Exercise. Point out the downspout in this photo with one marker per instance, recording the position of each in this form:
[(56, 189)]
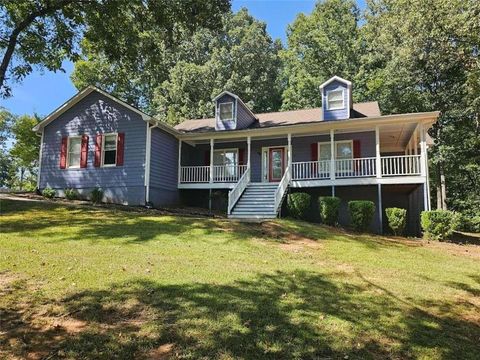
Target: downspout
[(148, 151)]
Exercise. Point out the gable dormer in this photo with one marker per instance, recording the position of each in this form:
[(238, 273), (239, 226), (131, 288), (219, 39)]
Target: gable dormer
[(231, 113), (336, 98)]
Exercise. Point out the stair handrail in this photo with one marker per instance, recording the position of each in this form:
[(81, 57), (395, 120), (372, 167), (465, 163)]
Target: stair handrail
[(282, 188), (238, 189)]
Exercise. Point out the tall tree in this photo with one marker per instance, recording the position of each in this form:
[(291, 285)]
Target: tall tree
[(43, 33), (320, 45), (242, 58), (423, 55)]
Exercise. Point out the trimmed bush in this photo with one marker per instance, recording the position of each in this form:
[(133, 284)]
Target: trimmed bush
[(397, 219), (298, 204), (96, 195), (49, 193), (470, 223), (71, 194), (329, 206), (361, 213), (439, 224)]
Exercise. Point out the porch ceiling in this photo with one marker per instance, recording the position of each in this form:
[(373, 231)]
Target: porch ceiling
[(394, 138)]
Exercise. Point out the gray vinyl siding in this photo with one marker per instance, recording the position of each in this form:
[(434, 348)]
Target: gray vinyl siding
[(163, 168), (336, 114), (244, 117), (225, 125), (97, 114)]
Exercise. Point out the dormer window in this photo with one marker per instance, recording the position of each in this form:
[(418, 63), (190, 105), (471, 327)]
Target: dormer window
[(225, 111), (335, 99)]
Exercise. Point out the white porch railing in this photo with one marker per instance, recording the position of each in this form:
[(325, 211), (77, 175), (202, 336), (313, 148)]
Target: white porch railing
[(311, 170), (282, 188), (195, 174), (359, 167), (228, 173), (237, 191), (401, 165)]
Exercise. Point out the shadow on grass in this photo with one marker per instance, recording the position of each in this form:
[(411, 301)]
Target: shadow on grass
[(277, 316)]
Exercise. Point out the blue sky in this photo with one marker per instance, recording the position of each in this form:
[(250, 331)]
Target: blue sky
[(43, 92)]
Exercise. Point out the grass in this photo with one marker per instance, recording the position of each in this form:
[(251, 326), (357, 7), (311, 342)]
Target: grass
[(78, 282)]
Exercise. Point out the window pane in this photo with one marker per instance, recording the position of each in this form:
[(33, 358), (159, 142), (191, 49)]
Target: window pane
[(226, 111), (218, 158), (324, 152), (335, 99), (74, 147), (110, 142), (344, 151), (230, 158), (110, 157)]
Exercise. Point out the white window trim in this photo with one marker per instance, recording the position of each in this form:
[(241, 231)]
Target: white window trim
[(219, 112), (343, 100), (228, 150), (335, 146), (103, 149), (68, 152)]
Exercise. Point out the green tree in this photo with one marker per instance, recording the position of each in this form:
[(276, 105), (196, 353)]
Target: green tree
[(242, 58), (25, 150), (43, 33), (320, 45), (6, 119), (423, 55)]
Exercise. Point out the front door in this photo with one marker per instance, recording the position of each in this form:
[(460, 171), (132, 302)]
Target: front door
[(276, 164)]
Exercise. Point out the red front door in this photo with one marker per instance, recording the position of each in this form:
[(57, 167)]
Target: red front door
[(276, 164)]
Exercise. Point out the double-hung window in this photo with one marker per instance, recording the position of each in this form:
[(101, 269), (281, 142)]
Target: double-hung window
[(225, 111), (343, 153), (109, 154), (335, 100), (74, 151)]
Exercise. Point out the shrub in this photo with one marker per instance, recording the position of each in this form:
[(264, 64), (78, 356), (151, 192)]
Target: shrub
[(439, 224), (470, 223), (96, 195), (49, 193), (329, 206), (397, 219), (298, 204), (71, 194), (361, 213)]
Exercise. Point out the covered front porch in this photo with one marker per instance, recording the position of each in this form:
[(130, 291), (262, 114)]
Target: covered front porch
[(385, 154)]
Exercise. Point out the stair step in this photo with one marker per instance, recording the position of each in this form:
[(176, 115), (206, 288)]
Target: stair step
[(247, 206), (252, 217)]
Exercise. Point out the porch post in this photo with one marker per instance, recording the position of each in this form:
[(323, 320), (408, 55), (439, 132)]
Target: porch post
[(378, 161), (211, 161), (249, 152), (179, 161), (289, 152), (332, 154), (423, 166), (380, 207)]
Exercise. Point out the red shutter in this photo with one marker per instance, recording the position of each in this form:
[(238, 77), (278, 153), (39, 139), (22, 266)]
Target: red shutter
[(356, 149), (314, 151), (356, 154), (63, 153), (241, 156), (98, 150), (120, 147), (207, 158), (84, 152)]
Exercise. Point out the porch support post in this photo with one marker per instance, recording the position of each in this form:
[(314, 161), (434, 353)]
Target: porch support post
[(415, 142), (380, 207), (179, 161), (332, 154), (249, 152), (211, 161), (289, 152), (333, 190), (378, 161), (423, 166)]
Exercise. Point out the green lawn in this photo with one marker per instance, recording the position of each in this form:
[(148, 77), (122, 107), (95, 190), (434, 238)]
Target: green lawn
[(89, 283)]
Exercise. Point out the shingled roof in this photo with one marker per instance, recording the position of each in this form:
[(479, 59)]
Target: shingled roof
[(282, 118)]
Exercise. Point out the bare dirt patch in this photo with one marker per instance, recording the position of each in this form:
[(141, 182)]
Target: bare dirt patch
[(162, 352)]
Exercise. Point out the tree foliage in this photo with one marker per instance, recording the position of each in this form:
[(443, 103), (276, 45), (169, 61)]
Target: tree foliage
[(44, 33), (320, 45)]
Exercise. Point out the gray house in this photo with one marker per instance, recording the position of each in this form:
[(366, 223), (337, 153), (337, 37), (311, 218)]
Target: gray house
[(250, 160)]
